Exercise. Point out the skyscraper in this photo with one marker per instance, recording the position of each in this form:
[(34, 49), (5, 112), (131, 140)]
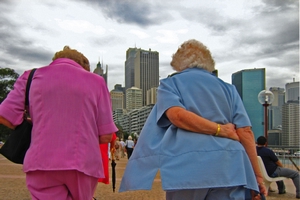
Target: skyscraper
[(292, 91), (275, 117), (141, 70), (275, 109), (290, 124), (290, 115), (249, 83), (100, 71)]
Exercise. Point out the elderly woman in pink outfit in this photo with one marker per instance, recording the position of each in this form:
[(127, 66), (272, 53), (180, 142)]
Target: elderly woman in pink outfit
[(71, 114)]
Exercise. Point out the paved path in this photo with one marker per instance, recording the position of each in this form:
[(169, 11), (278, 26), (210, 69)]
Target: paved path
[(13, 187)]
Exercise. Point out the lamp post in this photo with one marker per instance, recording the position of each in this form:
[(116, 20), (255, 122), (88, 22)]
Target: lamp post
[(266, 97)]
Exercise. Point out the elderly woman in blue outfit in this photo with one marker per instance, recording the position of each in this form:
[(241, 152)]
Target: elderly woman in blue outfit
[(198, 135)]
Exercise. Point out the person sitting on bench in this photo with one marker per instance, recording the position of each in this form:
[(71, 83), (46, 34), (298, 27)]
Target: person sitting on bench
[(275, 168)]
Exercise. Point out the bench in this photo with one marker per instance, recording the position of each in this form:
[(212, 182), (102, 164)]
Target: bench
[(267, 179)]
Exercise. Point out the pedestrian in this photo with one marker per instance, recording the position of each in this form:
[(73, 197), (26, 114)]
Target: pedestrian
[(122, 148), (129, 145), (198, 157), (71, 113), (117, 148), (275, 168), (135, 140)]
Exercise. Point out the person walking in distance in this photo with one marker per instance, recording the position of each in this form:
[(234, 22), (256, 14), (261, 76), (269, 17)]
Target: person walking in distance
[(122, 148), (117, 148), (129, 145)]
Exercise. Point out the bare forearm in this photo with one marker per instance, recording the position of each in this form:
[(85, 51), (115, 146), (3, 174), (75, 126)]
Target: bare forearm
[(247, 140), (187, 120), (103, 139), (279, 163), (6, 123)]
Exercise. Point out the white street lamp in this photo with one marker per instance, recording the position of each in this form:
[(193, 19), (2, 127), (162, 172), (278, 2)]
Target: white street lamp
[(266, 98)]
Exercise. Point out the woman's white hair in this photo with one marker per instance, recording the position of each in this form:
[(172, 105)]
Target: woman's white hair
[(192, 53)]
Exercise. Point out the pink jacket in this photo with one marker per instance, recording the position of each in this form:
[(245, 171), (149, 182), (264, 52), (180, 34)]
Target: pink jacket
[(70, 108)]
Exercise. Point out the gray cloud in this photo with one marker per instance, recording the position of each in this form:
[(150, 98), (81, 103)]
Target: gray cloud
[(210, 18), (107, 40), (6, 6), (16, 46), (141, 13), (38, 55), (270, 38), (273, 30), (278, 5), (278, 35)]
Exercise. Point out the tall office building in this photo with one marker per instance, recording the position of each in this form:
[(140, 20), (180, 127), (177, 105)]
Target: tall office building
[(275, 116), (292, 91), (249, 83), (100, 71), (290, 124), (290, 115), (134, 98), (141, 70), (275, 109)]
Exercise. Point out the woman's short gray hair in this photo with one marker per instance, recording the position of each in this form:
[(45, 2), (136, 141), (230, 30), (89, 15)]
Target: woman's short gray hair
[(192, 53)]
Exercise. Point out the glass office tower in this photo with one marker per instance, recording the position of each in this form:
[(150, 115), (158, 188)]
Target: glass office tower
[(141, 70), (275, 110), (249, 83)]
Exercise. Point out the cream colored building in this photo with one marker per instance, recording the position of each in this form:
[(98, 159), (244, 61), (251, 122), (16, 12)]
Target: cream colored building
[(134, 98), (116, 99), (151, 96)]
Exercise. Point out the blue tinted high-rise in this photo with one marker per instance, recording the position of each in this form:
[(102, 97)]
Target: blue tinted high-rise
[(248, 84)]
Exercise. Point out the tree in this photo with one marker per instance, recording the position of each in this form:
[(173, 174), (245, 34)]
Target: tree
[(8, 78), (120, 133)]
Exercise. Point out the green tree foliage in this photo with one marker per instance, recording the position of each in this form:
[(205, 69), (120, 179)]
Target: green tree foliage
[(8, 78), (120, 133)]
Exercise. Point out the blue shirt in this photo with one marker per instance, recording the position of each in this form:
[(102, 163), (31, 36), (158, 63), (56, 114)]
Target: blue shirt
[(188, 160)]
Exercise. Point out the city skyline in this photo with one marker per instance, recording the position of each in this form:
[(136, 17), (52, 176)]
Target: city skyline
[(240, 34)]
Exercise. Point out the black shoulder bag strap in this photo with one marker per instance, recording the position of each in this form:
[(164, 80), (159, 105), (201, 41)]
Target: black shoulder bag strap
[(26, 113)]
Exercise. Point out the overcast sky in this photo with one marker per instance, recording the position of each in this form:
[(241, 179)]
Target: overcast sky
[(241, 34)]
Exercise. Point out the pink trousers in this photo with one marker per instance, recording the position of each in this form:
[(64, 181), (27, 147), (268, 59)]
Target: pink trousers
[(60, 185)]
